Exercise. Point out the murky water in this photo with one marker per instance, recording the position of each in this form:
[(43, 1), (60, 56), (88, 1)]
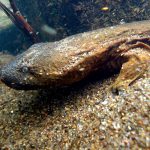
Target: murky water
[(55, 20)]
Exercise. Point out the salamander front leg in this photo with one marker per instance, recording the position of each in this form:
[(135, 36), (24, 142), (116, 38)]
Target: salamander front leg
[(130, 71)]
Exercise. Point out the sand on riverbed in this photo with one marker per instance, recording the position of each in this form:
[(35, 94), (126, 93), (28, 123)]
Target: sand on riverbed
[(85, 116)]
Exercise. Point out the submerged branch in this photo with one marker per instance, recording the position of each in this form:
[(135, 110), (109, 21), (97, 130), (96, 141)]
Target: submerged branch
[(17, 18), (13, 6)]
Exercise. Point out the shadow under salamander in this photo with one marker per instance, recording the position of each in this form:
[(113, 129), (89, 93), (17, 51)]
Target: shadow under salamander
[(31, 110), (48, 100)]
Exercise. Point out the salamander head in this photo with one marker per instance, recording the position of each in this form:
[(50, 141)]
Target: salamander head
[(17, 75), (25, 72)]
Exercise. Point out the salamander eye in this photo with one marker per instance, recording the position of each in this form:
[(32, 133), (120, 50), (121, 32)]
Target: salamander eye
[(24, 69)]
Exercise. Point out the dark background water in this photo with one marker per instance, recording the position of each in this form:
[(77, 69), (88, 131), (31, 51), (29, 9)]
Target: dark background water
[(69, 17)]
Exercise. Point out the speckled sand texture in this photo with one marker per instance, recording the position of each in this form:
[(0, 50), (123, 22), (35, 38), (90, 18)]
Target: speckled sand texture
[(83, 117)]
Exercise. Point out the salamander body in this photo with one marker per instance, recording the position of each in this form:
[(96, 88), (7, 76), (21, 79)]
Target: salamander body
[(64, 62)]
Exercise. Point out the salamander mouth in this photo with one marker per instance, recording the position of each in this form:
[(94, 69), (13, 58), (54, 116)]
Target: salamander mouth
[(15, 82), (18, 86), (12, 79)]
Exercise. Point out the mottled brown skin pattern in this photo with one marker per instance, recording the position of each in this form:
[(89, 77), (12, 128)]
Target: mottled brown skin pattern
[(72, 59)]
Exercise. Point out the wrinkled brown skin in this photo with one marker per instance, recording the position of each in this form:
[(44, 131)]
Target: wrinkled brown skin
[(72, 59)]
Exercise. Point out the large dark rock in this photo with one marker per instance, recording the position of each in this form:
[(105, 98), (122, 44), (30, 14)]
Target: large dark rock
[(74, 16), (69, 17)]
